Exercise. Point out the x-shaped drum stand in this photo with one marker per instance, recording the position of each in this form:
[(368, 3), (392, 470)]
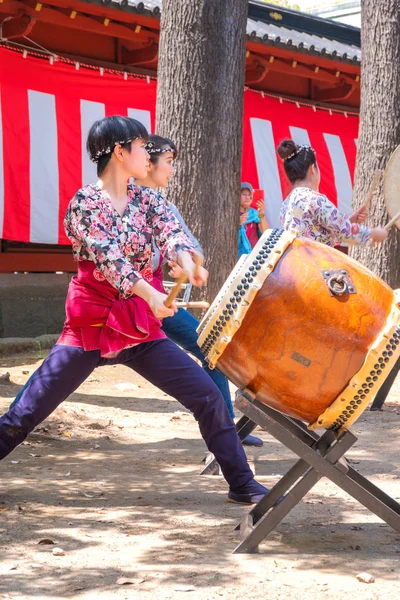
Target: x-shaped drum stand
[(319, 456)]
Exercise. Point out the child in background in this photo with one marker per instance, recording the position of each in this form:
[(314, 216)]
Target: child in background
[(253, 222)]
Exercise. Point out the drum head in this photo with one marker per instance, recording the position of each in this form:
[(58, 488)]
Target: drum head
[(391, 185)]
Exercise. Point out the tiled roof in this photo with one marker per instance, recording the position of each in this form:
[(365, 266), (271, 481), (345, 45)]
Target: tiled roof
[(153, 6), (274, 34), (268, 33)]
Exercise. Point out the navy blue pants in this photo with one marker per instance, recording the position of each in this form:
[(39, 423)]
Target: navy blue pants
[(181, 329), (163, 364)]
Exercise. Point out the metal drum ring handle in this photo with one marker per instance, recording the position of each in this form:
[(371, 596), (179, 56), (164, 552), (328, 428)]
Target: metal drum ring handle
[(337, 285)]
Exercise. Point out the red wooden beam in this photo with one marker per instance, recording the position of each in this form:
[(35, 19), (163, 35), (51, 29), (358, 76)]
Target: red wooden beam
[(296, 69), (255, 73), (139, 56), (341, 92), (16, 26), (302, 57), (98, 9), (71, 19)]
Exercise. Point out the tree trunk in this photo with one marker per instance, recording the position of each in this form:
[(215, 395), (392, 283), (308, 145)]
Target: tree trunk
[(379, 126), (200, 107)]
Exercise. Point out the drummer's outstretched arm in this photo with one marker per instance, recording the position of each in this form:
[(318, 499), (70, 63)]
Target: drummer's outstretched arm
[(338, 223), (341, 227)]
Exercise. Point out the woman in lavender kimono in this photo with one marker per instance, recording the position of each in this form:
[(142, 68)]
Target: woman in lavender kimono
[(309, 212)]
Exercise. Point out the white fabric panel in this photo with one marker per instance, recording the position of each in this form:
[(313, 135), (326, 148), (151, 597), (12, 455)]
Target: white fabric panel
[(341, 173), (44, 190), (90, 112), (1, 175), (143, 116), (267, 168), (299, 135)]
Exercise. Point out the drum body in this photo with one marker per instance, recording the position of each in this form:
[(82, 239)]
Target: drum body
[(310, 331)]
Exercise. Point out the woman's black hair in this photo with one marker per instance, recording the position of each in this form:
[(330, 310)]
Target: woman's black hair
[(297, 159), (109, 132), (158, 145)]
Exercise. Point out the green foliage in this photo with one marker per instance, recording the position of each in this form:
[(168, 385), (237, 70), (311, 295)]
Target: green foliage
[(41, 353)]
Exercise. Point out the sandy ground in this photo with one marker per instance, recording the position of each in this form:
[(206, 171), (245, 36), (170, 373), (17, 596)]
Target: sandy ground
[(112, 479)]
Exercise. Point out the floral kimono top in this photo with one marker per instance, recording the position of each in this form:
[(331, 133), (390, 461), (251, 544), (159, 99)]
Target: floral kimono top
[(312, 215), (113, 253)]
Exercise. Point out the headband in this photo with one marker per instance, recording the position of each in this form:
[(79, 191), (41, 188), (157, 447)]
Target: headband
[(299, 149), (109, 149), (151, 149)]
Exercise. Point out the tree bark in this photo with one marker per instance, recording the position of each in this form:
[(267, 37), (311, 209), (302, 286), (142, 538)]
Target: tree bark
[(379, 126), (200, 92)]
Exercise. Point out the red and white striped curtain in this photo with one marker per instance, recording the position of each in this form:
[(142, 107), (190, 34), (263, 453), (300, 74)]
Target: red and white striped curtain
[(46, 109)]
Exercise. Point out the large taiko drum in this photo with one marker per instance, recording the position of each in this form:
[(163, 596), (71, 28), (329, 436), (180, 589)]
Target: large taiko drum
[(310, 331)]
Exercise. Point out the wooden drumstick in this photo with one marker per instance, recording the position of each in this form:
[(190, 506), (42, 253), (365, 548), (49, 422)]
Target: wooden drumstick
[(176, 289), (393, 221), (193, 304), (372, 188)]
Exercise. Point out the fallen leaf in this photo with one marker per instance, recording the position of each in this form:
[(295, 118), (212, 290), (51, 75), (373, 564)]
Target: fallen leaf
[(185, 588), (25, 372), (92, 494), (365, 578), (46, 541), (12, 567), (124, 581)]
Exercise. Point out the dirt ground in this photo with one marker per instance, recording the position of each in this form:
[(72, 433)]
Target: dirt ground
[(112, 480)]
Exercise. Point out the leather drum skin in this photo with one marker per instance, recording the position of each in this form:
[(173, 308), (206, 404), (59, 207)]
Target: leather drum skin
[(310, 331)]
